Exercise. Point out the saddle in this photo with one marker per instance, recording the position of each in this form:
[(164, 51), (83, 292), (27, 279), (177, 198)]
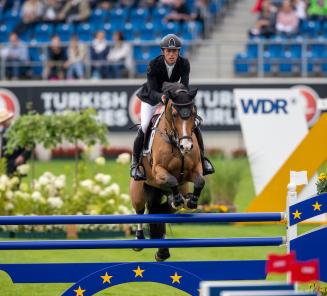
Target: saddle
[(149, 135)]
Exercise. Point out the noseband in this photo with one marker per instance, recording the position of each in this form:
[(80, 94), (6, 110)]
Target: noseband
[(185, 111)]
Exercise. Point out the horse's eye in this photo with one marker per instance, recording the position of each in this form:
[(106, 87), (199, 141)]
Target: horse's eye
[(174, 113)]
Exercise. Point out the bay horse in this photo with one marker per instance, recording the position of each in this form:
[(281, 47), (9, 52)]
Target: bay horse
[(174, 161)]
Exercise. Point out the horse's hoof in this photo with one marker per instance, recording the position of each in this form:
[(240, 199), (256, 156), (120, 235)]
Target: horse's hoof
[(162, 254), (178, 202), (191, 201), (192, 204), (139, 234)]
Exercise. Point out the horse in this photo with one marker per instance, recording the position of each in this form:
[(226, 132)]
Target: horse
[(174, 161)]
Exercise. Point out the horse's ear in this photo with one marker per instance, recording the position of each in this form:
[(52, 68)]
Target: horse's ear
[(193, 92)]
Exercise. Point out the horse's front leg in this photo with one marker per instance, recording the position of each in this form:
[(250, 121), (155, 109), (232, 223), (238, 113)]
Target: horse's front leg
[(199, 182), (164, 178)]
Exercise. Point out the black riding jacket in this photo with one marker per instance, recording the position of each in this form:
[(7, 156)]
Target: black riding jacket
[(151, 91)]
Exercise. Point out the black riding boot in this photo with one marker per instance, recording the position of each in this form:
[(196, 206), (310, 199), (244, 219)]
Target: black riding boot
[(137, 169), (206, 164)]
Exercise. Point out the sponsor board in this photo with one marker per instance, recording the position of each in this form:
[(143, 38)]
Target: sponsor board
[(119, 108)]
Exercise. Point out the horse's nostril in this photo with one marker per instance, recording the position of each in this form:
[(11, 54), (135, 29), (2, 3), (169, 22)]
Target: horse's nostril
[(182, 146), (191, 146)]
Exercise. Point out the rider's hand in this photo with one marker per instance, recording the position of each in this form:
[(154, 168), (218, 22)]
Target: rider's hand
[(163, 99)]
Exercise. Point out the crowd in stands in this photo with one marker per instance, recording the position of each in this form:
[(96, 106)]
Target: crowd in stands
[(287, 17), (78, 39), (287, 38)]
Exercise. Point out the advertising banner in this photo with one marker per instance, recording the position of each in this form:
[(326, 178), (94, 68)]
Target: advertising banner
[(118, 107), (273, 124)]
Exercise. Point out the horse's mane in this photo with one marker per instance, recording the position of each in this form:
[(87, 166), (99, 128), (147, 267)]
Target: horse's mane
[(175, 91)]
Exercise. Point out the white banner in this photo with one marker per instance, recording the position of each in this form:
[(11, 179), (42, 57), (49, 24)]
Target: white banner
[(273, 124)]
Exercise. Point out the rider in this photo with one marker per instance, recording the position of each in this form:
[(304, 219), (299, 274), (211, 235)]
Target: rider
[(168, 67)]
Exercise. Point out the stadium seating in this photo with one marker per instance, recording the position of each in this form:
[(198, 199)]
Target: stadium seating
[(136, 24)]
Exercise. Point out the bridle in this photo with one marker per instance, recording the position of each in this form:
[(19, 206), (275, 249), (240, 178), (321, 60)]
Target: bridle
[(185, 111)]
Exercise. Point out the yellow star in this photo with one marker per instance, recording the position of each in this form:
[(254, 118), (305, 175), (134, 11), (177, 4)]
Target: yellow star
[(138, 271), (316, 206), (176, 278), (297, 214), (106, 278), (79, 291)]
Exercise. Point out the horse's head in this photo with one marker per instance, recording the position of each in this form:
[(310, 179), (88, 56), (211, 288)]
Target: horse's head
[(181, 113)]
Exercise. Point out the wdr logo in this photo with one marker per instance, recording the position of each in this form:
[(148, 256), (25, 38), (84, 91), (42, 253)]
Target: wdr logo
[(264, 106)]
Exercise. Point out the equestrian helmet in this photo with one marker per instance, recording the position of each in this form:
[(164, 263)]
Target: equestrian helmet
[(171, 41)]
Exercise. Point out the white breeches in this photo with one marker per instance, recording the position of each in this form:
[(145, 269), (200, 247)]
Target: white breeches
[(147, 112)]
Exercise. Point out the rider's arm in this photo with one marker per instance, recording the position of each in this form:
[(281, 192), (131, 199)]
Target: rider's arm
[(153, 83), (186, 74)]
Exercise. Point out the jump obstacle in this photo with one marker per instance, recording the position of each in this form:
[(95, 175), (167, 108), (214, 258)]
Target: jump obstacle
[(90, 278)]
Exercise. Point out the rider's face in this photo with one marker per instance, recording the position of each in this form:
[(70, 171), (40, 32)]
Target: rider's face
[(170, 55)]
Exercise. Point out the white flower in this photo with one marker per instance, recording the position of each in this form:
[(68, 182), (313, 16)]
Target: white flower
[(48, 175), (37, 185), (2, 187), (100, 161), (96, 189), (125, 197), (9, 195), (111, 202), (23, 169), (104, 179), (124, 210), (88, 184), (103, 193), (55, 202), (23, 187), (113, 189), (43, 180), (9, 206), (36, 196), (59, 183), (124, 158), (4, 180), (13, 182)]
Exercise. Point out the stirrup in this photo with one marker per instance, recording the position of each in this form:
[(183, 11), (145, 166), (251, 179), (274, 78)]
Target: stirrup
[(207, 166), (136, 173)]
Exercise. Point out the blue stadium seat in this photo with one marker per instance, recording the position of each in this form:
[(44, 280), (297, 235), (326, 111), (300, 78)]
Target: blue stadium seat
[(275, 50), (36, 56), (159, 13), (310, 28), (169, 28), (241, 65), (43, 32), (107, 28), (318, 50), (128, 32), (98, 16), (295, 49), (4, 33), (118, 15), (147, 32), (11, 17), (193, 28), (139, 17), (252, 50), (85, 31), (65, 31)]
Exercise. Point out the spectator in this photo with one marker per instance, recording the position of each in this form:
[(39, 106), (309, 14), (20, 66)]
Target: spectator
[(265, 24), (300, 8), (287, 20), (201, 14), (75, 64), (15, 55), (99, 52), (179, 12), (6, 5), (32, 12), (52, 10), (56, 59), (317, 9), (75, 11), (19, 155), (121, 58), (260, 4)]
